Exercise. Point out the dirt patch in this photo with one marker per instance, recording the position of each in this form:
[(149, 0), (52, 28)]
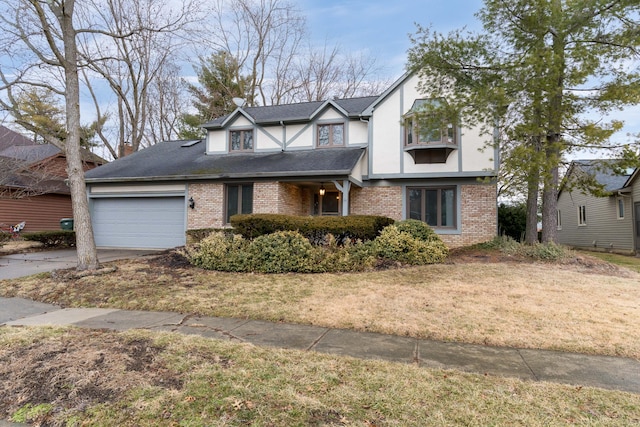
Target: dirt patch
[(579, 262), (77, 370)]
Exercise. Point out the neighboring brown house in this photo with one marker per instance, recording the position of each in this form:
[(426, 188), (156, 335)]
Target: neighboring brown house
[(32, 182)]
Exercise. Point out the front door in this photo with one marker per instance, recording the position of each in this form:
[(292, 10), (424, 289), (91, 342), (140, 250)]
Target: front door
[(636, 217)]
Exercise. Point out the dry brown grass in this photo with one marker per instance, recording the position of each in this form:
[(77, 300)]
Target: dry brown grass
[(71, 377), (584, 307)]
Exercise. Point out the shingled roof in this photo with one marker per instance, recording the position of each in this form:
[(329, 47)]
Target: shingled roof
[(354, 107), (604, 174), (175, 160)]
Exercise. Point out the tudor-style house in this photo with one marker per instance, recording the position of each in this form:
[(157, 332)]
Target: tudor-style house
[(358, 156)]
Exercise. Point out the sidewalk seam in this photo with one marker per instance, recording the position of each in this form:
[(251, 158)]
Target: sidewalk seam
[(527, 365), (317, 340)]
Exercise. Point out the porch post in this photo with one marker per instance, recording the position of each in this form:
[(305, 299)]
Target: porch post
[(344, 189)]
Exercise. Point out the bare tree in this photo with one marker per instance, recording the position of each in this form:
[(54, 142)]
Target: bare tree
[(148, 33), (270, 43), (263, 36), (325, 72), (40, 38)]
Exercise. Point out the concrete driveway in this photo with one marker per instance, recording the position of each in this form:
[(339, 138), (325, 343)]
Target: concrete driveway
[(26, 264)]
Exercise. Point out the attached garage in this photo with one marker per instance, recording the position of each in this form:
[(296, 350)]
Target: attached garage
[(155, 222)]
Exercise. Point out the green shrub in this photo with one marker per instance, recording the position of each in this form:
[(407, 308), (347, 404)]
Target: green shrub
[(314, 228), (396, 245), (220, 251), (283, 252), (512, 220), (349, 257), (198, 234), (418, 229), (53, 238), (539, 251)]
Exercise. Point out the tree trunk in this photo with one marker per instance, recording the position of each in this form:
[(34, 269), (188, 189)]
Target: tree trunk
[(85, 244), (550, 198), (533, 184)]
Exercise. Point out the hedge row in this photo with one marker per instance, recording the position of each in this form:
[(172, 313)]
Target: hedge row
[(412, 243), (51, 238), (314, 228)]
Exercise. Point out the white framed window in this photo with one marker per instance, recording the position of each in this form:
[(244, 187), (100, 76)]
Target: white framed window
[(559, 219), (620, 207), (582, 215)]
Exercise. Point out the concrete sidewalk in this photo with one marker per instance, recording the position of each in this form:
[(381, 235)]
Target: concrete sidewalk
[(536, 365), (26, 264)]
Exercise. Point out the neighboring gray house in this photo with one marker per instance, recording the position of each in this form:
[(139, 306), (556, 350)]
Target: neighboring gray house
[(358, 156), (609, 222)]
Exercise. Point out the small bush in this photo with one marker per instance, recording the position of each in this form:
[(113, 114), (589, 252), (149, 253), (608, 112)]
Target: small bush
[(396, 245), (539, 251), (283, 252), (220, 251), (198, 234), (418, 229), (53, 238)]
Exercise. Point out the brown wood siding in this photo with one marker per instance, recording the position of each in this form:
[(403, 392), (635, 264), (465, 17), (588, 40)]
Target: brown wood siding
[(40, 212)]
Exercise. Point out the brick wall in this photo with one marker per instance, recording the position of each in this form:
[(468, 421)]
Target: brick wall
[(479, 216), (479, 210), (209, 210), (385, 201)]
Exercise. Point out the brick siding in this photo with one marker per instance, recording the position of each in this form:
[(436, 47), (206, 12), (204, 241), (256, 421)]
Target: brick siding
[(385, 201), (209, 210), (479, 210), (479, 216)]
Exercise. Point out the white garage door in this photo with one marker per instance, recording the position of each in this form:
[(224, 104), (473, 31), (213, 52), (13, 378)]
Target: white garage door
[(139, 222)]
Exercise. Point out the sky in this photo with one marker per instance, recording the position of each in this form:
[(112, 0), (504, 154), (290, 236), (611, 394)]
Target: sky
[(382, 27)]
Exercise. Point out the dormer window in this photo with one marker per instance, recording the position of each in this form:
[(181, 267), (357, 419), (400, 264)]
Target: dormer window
[(241, 140), (330, 135), (430, 131)]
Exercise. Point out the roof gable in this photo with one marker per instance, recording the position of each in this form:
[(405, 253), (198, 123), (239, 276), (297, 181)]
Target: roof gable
[(299, 112), (601, 172)]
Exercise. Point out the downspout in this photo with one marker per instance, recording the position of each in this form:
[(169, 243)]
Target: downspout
[(284, 136)]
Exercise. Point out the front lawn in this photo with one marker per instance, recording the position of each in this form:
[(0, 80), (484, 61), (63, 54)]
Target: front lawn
[(76, 377), (583, 305)]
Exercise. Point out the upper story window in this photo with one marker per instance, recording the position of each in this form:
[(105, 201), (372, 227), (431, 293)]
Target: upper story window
[(423, 126), (241, 140), (330, 135)]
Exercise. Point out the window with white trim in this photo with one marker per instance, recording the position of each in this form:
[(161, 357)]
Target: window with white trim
[(559, 219), (620, 208), (582, 215)]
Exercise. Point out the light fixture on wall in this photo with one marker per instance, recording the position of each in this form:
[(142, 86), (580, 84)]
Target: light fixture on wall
[(192, 203), (322, 190)]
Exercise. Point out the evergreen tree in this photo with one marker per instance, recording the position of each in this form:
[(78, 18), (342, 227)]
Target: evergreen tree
[(541, 69)]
